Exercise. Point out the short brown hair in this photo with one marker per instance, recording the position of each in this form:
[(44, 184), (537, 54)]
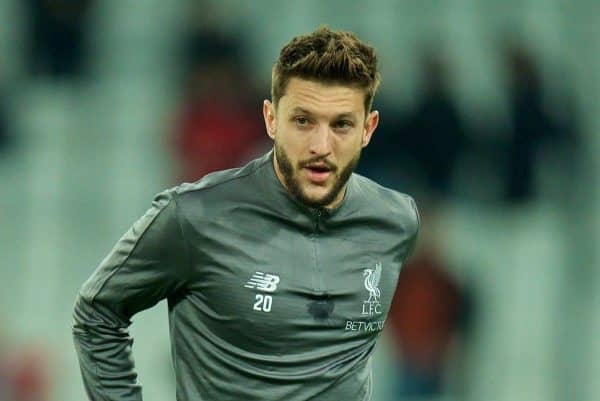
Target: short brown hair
[(330, 57)]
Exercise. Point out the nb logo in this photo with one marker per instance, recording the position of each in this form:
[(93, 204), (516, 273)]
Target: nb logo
[(263, 282)]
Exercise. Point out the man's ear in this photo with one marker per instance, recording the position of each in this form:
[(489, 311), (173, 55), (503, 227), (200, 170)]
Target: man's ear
[(371, 123), (269, 115)]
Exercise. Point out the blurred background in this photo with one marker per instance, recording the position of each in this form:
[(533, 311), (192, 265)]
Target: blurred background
[(489, 118)]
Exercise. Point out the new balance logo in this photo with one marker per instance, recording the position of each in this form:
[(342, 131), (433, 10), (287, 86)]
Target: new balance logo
[(263, 282)]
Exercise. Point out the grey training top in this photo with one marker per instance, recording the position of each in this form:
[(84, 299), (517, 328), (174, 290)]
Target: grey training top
[(268, 299)]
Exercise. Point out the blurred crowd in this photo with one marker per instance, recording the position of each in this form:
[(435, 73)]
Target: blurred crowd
[(431, 150), (24, 374), (421, 150)]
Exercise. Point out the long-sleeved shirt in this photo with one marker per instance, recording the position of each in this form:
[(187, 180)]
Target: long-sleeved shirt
[(268, 299)]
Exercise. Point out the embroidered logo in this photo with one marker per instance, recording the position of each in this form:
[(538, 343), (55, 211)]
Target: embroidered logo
[(372, 306), (263, 282)]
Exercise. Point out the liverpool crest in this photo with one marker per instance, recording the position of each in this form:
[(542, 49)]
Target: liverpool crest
[(372, 306)]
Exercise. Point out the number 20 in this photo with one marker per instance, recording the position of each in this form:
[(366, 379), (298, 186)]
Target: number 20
[(263, 303)]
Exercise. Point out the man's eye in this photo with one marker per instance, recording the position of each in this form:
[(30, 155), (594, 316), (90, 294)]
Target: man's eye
[(302, 121), (343, 124)]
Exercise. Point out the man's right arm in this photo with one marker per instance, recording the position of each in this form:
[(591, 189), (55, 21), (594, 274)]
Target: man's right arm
[(147, 264)]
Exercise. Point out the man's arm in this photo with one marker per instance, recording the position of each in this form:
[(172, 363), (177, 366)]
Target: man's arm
[(147, 264)]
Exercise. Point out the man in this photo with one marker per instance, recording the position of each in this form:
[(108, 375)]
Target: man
[(278, 275)]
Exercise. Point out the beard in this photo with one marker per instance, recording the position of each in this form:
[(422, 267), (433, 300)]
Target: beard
[(293, 185)]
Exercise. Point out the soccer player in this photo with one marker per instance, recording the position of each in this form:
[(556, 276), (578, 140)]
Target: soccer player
[(279, 274)]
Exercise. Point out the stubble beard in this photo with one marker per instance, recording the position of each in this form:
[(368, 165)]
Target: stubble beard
[(292, 184)]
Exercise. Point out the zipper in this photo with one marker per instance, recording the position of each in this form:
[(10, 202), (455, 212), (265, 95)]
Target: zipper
[(314, 239), (317, 220)]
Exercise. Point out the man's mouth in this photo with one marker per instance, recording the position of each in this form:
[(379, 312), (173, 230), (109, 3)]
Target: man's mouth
[(318, 173)]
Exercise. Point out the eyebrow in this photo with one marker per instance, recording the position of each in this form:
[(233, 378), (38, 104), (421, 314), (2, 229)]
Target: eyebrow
[(301, 110)]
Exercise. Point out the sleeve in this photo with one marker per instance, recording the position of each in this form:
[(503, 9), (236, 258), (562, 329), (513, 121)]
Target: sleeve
[(147, 264)]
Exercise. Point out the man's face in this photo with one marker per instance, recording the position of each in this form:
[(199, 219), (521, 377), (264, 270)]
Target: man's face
[(319, 131)]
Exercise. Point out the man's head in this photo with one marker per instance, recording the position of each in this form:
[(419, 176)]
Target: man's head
[(320, 116)]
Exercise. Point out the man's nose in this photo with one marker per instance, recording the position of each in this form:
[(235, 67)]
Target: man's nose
[(320, 141)]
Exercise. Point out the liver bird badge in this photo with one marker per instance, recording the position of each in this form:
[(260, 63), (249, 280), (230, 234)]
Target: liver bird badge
[(372, 277)]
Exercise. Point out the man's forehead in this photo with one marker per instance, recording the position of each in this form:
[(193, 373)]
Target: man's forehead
[(322, 98)]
